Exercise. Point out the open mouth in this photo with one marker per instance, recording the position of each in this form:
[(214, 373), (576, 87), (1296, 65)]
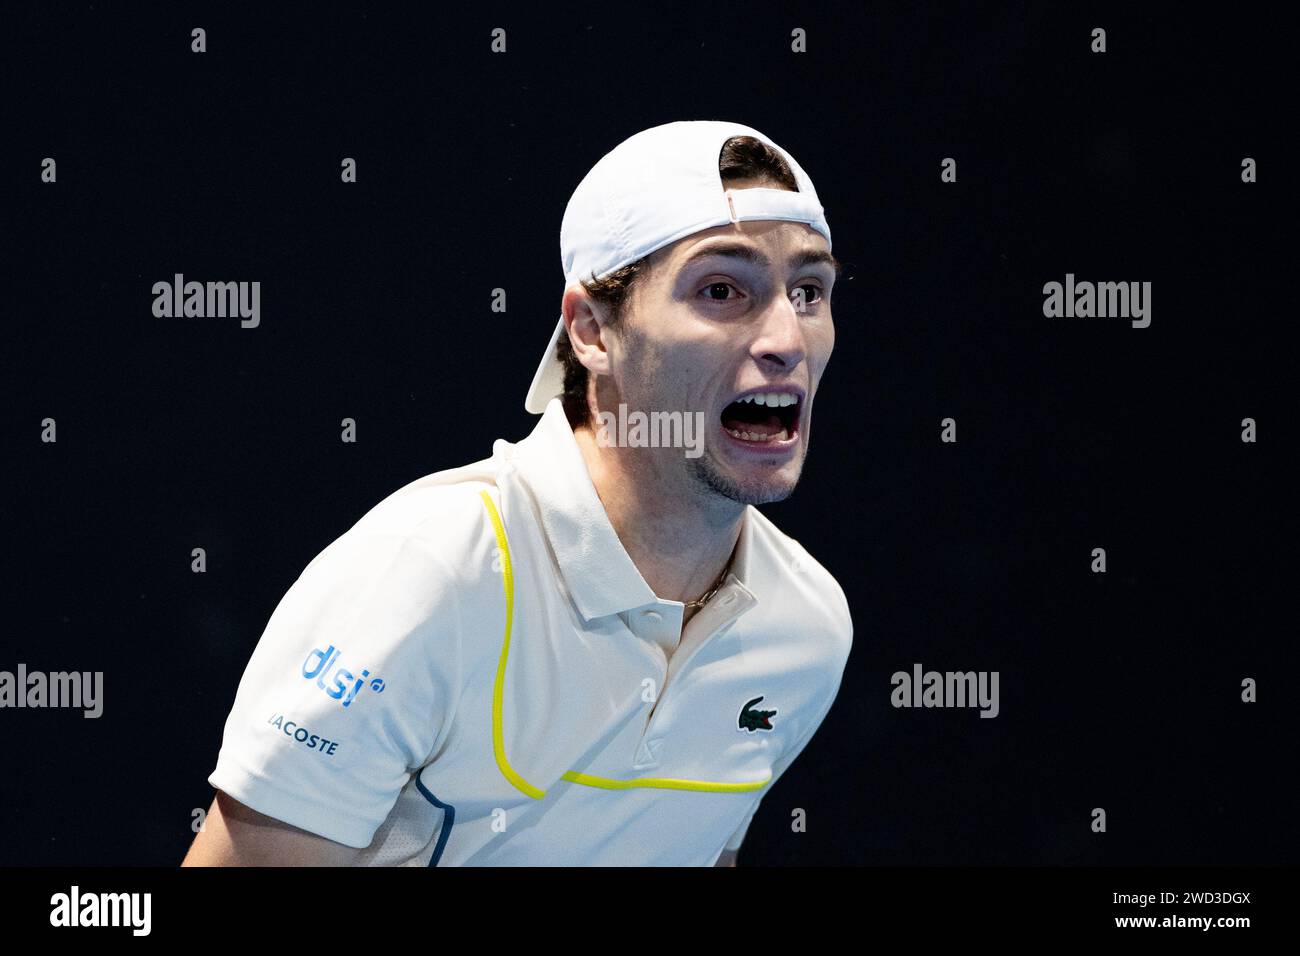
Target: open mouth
[(763, 417)]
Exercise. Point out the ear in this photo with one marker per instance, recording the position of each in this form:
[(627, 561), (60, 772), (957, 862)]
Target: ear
[(585, 321)]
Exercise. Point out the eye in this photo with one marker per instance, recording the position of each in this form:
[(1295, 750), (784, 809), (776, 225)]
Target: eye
[(811, 297), (718, 286)]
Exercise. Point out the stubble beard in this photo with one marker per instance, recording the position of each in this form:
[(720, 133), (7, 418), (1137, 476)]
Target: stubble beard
[(705, 471)]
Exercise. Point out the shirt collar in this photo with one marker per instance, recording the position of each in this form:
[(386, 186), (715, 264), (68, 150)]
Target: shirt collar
[(597, 570)]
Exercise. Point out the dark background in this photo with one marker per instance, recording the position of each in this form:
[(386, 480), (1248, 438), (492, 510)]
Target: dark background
[(1119, 690)]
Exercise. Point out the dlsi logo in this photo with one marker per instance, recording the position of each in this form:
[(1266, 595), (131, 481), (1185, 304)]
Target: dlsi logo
[(345, 682)]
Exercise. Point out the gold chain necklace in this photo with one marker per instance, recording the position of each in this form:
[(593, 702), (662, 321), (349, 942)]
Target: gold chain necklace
[(700, 602)]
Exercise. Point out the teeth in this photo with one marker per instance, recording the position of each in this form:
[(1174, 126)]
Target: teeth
[(782, 435), (771, 399)]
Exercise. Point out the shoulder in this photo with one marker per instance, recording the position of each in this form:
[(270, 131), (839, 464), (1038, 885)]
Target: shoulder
[(440, 510), (428, 542), (800, 583)]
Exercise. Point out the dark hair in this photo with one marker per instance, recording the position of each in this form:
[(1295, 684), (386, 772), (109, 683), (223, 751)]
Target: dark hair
[(741, 158)]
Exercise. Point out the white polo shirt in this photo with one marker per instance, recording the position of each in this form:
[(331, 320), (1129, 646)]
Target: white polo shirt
[(477, 674)]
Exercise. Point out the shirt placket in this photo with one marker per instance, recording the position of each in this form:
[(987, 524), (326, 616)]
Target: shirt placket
[(729, 603)]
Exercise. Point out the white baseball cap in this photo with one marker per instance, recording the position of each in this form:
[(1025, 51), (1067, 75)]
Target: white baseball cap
[(650, 190)]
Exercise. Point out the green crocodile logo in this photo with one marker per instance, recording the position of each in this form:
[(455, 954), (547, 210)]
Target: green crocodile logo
[(752, 720)]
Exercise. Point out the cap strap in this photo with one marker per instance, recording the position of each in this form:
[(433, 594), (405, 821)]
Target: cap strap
[(763, 203)]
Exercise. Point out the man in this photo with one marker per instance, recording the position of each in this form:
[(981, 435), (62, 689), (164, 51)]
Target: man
[(589, 648)]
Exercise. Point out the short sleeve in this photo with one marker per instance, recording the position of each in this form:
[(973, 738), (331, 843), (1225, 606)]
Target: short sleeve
[(779, 768), (350, 689), (738, 837)]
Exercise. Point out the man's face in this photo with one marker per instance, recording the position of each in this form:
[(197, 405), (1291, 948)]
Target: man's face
[(716, 327)]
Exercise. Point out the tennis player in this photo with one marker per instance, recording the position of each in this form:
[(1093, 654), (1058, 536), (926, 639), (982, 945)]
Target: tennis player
[(589, 648)]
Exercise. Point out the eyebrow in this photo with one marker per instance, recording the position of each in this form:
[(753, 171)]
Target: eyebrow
[(747, 253)]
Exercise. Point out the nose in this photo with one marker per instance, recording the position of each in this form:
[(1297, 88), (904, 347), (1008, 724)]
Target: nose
[(779, 341)]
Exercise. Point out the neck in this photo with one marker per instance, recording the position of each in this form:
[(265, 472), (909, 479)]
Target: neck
[(680, 542)]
